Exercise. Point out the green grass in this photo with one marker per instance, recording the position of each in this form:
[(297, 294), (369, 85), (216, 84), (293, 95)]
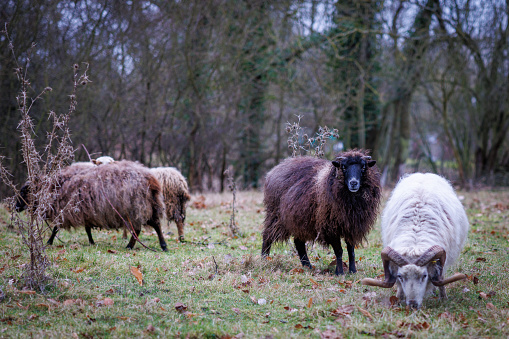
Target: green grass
[(229, 301)]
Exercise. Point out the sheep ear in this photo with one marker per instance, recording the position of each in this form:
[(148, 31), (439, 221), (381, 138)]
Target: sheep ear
[(336, 164), (371, 163)]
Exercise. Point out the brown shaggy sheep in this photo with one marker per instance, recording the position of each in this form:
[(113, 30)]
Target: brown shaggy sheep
[(101, 193), (175, 195), (316, 199)]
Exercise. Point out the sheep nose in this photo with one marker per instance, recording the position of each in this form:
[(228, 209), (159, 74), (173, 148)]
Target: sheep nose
[(413, 304), (353, 185)]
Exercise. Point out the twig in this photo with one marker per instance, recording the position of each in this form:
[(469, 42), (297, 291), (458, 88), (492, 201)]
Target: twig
[(215, 263)]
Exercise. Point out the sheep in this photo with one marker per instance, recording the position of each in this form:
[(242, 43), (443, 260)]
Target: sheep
[(175, 195), (424, 228), (103, 160), (315, 199), (105, 197)]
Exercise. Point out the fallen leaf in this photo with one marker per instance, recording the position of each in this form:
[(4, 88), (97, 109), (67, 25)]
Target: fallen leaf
[(53, 301), (299, 326), (480, 259), (483, 295), (236, 310), (253, 299), (21, 306), (490, 306), (156, 300), (69, 302), (343, 310), (137, 274), (150, 328), (180, 307), (297, 270), (393, 300), (475, 280), (365, 313), (310, 302), (108, 302), (315, 284), (112, 251), (43, 305), (330, 334), (78, 270), (32, 317)]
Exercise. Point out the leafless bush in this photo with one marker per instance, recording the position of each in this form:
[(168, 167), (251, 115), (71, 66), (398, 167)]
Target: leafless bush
[(42, 168), (314, 145)]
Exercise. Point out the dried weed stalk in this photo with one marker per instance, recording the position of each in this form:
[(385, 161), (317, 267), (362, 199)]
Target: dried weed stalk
[(233, 187), (314, 145), (42, 169)]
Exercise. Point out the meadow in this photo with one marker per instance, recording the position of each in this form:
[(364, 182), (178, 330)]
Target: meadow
[(216, 286)]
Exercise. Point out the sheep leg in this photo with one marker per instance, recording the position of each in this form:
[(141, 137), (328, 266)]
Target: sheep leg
[(351, 258), (132, 242), (267, 243), (301, 249), (157, 227), (53, 234), (338, 251), (443, 295), (89, 233)]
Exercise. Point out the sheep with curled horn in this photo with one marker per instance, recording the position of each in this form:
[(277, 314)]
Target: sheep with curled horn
[(317, 199), (424, 228), (104, 197)]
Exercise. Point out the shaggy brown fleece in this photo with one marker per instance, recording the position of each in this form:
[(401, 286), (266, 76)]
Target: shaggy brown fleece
[(101, 193), (307, 198), (175, 195)]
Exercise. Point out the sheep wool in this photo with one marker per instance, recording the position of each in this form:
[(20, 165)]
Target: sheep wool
[(175, 195)]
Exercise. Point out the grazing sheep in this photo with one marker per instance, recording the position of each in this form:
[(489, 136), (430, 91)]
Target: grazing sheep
[(424, 228), (101, 193), (316, 199), (175, 195)]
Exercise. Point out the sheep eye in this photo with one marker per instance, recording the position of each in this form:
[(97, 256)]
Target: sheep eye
[(399, 276)]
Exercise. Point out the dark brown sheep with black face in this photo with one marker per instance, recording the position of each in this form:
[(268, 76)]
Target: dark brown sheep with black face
[(316, 199), (105, 196)]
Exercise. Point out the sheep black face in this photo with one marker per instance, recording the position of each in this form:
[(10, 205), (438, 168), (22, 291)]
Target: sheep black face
[(353, 170), (22, 199)]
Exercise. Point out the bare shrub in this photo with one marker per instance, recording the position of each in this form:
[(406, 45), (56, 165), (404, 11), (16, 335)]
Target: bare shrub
[(300, 143), (42, 168)]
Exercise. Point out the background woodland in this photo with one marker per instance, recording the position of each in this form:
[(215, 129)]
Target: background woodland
[(207, 86)]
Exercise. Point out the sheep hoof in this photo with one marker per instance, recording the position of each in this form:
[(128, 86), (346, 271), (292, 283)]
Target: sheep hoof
[(181, 239), (352, 271)]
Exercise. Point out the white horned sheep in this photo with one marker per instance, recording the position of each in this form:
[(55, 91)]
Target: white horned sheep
[(175, 195), (424, 228), (105, 197)]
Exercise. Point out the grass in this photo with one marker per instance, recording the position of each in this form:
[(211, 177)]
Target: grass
[(214, 286)]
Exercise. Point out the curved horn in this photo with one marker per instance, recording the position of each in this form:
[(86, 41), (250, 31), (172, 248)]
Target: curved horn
[(391, 255), (433, 253), (455, 277), (388, 255)]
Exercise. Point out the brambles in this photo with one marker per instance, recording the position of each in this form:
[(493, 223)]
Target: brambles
[(299, 142)]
